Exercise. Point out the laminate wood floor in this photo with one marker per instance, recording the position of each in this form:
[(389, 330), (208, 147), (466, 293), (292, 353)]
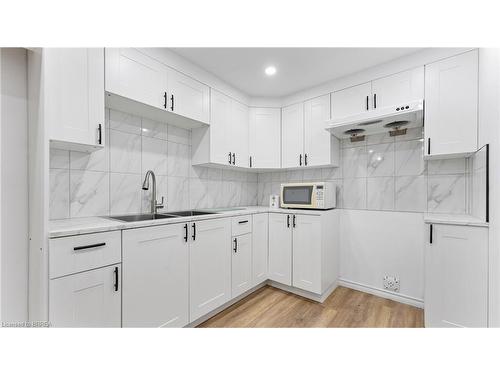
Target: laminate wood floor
[(270, 307)]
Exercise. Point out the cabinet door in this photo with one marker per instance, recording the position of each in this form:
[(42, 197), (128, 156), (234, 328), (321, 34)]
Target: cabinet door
[(74, 84), (238, 137), (209, 266), (260, 248), (188, 97), (241, 264), (317, 141), (86, 299), (451, 95), (398, 89), (155, 277), (265, 137), (456, 282), (351, 101), (292, 131), (131, 74), (280, 248), (307, 253), (220, 120)]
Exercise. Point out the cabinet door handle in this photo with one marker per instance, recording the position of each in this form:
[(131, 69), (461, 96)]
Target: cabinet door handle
[(230, 161), (250, 162), (89, 246), (374, 100), (430, 233), (116, 279), (172, 100), (165, 100), (235, 248), (234, 158), (243, 222), (294, 221), (288, 221), (367, 98), (186, 233), (99, 134), (305, 159), (300, 160), (194, 231), (428, 146)]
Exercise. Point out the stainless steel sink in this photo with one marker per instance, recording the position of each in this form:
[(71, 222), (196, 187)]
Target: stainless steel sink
[(143, 217), (191, 213)]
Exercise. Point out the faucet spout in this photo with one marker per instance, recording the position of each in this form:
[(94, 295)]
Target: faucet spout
[(145, 186)]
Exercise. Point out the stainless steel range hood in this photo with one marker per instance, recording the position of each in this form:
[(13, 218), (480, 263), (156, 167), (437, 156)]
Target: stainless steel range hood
[(395, 119)]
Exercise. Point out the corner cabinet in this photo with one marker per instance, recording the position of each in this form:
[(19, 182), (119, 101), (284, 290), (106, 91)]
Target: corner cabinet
[(456, 276), (305, 142), (73, 94), (264, 138), (451, 106), (136, 82)]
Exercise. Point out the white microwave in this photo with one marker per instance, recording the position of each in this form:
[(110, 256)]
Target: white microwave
[(312, 195)]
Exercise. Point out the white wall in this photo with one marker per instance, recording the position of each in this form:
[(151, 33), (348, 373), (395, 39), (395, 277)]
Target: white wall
[(14, 181), (376, 243)]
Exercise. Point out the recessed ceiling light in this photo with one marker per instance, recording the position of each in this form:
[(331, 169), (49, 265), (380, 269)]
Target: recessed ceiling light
[(270, 70)]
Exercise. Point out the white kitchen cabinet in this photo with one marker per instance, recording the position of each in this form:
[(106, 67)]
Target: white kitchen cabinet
[(280, 248), (86, 299), (307, 252), (265, 137), (320, 147), (156, 276), (351, 101), (209, 266), (241, 264), (188, 97), (133, 75), (238, 130), (456, 276), (260, 251), (292, 136), (398, 89), (451, 106), (74, 97)]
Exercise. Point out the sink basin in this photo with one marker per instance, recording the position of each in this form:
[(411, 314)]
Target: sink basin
[(191, 213), (142, 217)]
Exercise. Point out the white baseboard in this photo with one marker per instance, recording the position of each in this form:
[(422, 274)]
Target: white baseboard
[(313, 296), (382, 293)]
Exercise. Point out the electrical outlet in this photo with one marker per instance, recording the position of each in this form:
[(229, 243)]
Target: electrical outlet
[(391, 283)]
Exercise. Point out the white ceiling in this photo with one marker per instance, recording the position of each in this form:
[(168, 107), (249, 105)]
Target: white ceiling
[(298, 68)]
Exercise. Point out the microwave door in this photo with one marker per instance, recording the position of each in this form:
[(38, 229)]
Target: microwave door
[(297, 195)]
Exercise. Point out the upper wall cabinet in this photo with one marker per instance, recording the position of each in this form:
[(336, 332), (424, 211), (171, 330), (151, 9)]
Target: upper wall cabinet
[(225, 142), (393, 90), (74, 97), (305, 142), (138, 83), (264, 138), (451, 106)]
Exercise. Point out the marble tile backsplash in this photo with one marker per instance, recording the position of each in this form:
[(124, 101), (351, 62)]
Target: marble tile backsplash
[(108, 181), (386, 173)]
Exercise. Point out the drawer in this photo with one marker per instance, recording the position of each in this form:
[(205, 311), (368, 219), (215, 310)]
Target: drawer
[(73, 254), (241, 225)]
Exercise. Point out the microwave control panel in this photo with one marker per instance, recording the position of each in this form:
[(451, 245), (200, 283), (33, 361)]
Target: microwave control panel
[(320, 196)]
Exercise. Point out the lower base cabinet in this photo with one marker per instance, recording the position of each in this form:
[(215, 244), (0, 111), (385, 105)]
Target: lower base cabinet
[(280, 248), (260, 253), (456, 276), (209, 266), (241, 264), (155, 276), (86, 299)]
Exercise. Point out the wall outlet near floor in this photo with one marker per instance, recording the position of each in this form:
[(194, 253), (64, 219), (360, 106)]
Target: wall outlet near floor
[(391, 283)]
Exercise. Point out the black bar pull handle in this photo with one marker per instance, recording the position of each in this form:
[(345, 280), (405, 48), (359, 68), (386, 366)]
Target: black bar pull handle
[(294, 221), (89, 246), (99, 134), (234, 158), (165, 100), (288, 221), (430, 233), (300, 160), (428, 146), (367, 98), (116, 279), (250, 162), (305, 159), (172, 99), (374, 100), (186, 233), (230, 160), (235, 248), (243, 222), (194, 231)]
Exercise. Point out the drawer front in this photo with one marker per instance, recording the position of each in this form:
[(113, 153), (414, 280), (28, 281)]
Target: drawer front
[(73, 254), (241, 225)]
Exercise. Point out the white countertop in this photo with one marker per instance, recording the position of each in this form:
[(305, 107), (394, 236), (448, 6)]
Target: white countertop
[(71, 227), (454, 220)]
